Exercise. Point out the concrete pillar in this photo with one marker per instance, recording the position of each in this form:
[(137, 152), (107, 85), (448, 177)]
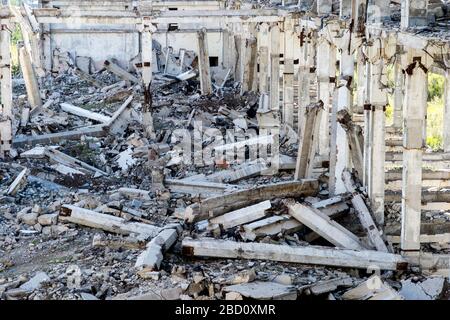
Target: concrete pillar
[(413, 13), (367, 129), (288, 73), (249, 64), (326, 72), (29, 76), (446, 129), (238, 53), (399, 83), (225, 48), (378, 101), (359, 16), (147, 30), (203, 63), (360, 81), (414, 109), (5, 90), (263, 58), (303, 79), (274, 67), (345, 98)]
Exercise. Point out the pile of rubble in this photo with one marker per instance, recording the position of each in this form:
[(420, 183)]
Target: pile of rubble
[(93, 208)]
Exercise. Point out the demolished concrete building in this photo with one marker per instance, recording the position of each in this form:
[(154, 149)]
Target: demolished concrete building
[(222, 150)]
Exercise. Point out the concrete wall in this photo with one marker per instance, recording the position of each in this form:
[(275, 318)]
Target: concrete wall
[(122, 42), (188, 40)]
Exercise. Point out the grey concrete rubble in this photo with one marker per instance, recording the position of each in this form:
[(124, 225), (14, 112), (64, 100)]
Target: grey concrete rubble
[(224, 150)]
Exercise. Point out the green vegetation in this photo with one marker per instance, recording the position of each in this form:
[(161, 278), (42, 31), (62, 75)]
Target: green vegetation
[(435, 108)]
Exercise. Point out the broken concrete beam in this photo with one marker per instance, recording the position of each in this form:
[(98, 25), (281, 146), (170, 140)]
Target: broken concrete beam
[(428, 195), (65, 170), (213, 207), (372, 289), (363, 214), (45, 106), (261, 140), (69, 161), (51, 138), (197, 187), (242, 216), (106, 222), (270, 226), (324, 226), (432, 263), (84, 113), (132, 193), (325, 286), (243, 171), (128, 243), (286, 224), (427, 174), (425, 238), (315, 255), (151, 258), (123, 74), (262, 290), (17, 183), (31, 83), (429, 289), (87, 77), (233, 115)]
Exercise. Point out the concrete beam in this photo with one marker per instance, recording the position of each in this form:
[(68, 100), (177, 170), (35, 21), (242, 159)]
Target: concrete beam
[(31, 83)]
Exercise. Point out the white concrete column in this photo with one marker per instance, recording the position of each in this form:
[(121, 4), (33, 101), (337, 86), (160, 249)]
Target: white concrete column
[(274, 67), (147, 30), (263, 58), (367, 129), (398, 95), (378, 102), (303, 78), (345, 99), (446, 129), (414, 110), (203, 62), (249, 64), (288, 73), (326, 71), (237, 50), (5, 90), (225, 48)]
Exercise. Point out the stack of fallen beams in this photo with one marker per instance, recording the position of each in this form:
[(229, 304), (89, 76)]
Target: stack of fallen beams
[(254, 221), (161, 238)]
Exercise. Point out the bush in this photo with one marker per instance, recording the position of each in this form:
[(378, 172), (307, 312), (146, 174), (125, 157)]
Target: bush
[(435, 86)]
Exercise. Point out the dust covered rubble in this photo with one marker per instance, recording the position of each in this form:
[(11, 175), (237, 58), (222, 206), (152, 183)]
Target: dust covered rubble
[(103, 217)]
